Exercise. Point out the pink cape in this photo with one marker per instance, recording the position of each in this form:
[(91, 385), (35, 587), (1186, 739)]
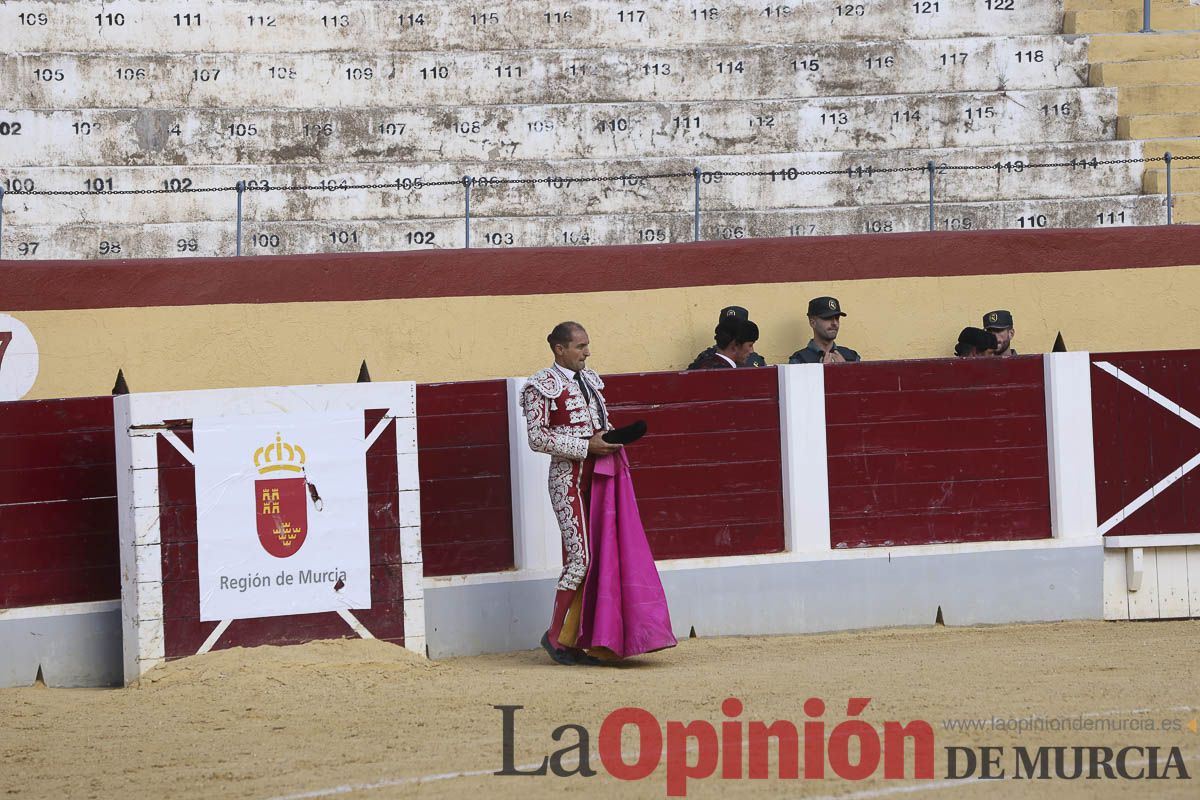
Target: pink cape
[(624, 607)]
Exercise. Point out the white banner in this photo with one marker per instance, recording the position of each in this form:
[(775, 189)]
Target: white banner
[(281, 514)]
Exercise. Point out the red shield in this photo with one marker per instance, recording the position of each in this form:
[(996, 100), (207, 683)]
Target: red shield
[(281, 509)]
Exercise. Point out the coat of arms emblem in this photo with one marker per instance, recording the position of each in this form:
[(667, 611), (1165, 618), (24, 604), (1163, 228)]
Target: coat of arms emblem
[(280, 503)]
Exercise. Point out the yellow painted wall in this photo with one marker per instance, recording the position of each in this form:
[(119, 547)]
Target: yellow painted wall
[(454, 339)]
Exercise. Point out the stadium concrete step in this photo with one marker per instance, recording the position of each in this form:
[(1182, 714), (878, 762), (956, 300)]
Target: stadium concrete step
[(430, 190), (1145, 73), (1158, 126), (1176, 147), (217, 238), (30, 26), (1176, 98), (1187, 209), (1121, 5), (1185, 179), (1105, 48), (446, 78), (1171, 18), (517, 133)]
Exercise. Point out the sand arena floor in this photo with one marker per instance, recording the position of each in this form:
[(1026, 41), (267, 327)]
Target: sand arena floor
[(365, 719)]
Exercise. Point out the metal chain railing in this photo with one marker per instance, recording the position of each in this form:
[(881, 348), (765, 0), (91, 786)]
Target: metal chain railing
[(698, 176)]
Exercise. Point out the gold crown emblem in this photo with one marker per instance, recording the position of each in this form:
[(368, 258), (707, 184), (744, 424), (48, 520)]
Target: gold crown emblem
[(279, 456)]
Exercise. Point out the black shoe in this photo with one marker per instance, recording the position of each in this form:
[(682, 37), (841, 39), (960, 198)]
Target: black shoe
[(563, 656), (583, 659)]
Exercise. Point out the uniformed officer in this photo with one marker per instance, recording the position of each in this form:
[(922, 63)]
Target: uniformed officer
[(1000, 322), (825, 316), (735, 312)]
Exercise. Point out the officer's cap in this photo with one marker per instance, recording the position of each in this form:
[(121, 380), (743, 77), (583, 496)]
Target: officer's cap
[(825, 307), (998, 320)]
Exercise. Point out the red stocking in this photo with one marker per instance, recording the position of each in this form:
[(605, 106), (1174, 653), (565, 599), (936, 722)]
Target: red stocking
[(562, 604)]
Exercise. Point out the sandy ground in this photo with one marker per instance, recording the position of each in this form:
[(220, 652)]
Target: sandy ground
[(365, 719)]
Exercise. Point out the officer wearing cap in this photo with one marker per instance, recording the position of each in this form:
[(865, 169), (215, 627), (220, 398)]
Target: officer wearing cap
[(1000, 322), (706, 357), (825, 316)]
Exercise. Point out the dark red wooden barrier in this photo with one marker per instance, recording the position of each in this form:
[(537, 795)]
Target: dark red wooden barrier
[(466, 495), (1138, 442), (184, 633), (937, 451), (708, 476), (58, 507)]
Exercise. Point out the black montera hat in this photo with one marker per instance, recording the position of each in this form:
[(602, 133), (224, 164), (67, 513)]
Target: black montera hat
[(997, 320), (825, 307)]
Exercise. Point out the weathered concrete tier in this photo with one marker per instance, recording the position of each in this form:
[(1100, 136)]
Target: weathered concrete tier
[(517, 133), (858, 180), (237, 26), (113, 240), (370, 79)]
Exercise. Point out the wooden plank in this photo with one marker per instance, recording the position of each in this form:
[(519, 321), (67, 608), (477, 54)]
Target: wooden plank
[(1193, 568), (439, 463), (909, 437), (729, 448), (49, 484), (951, 465), (704, 541), (698, 386), (876, 530), (70, 415), (1172, 582), (466, 526), (37, 450), (438, 399), (701, 418), (716, 510), (942, 373), (463, 430), (968, 402), (935, 498), (459, 494), (481, 555), (58, 553), (707, 479), (47, 587), (1112, 493), (35, 520)]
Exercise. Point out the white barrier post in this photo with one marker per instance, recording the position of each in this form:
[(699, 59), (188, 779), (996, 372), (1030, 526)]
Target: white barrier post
[(537, 544), (804, 455), (1069, 445)]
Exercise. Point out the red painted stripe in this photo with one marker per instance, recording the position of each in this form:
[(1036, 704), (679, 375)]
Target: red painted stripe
[(30, 286), (894, 530)]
